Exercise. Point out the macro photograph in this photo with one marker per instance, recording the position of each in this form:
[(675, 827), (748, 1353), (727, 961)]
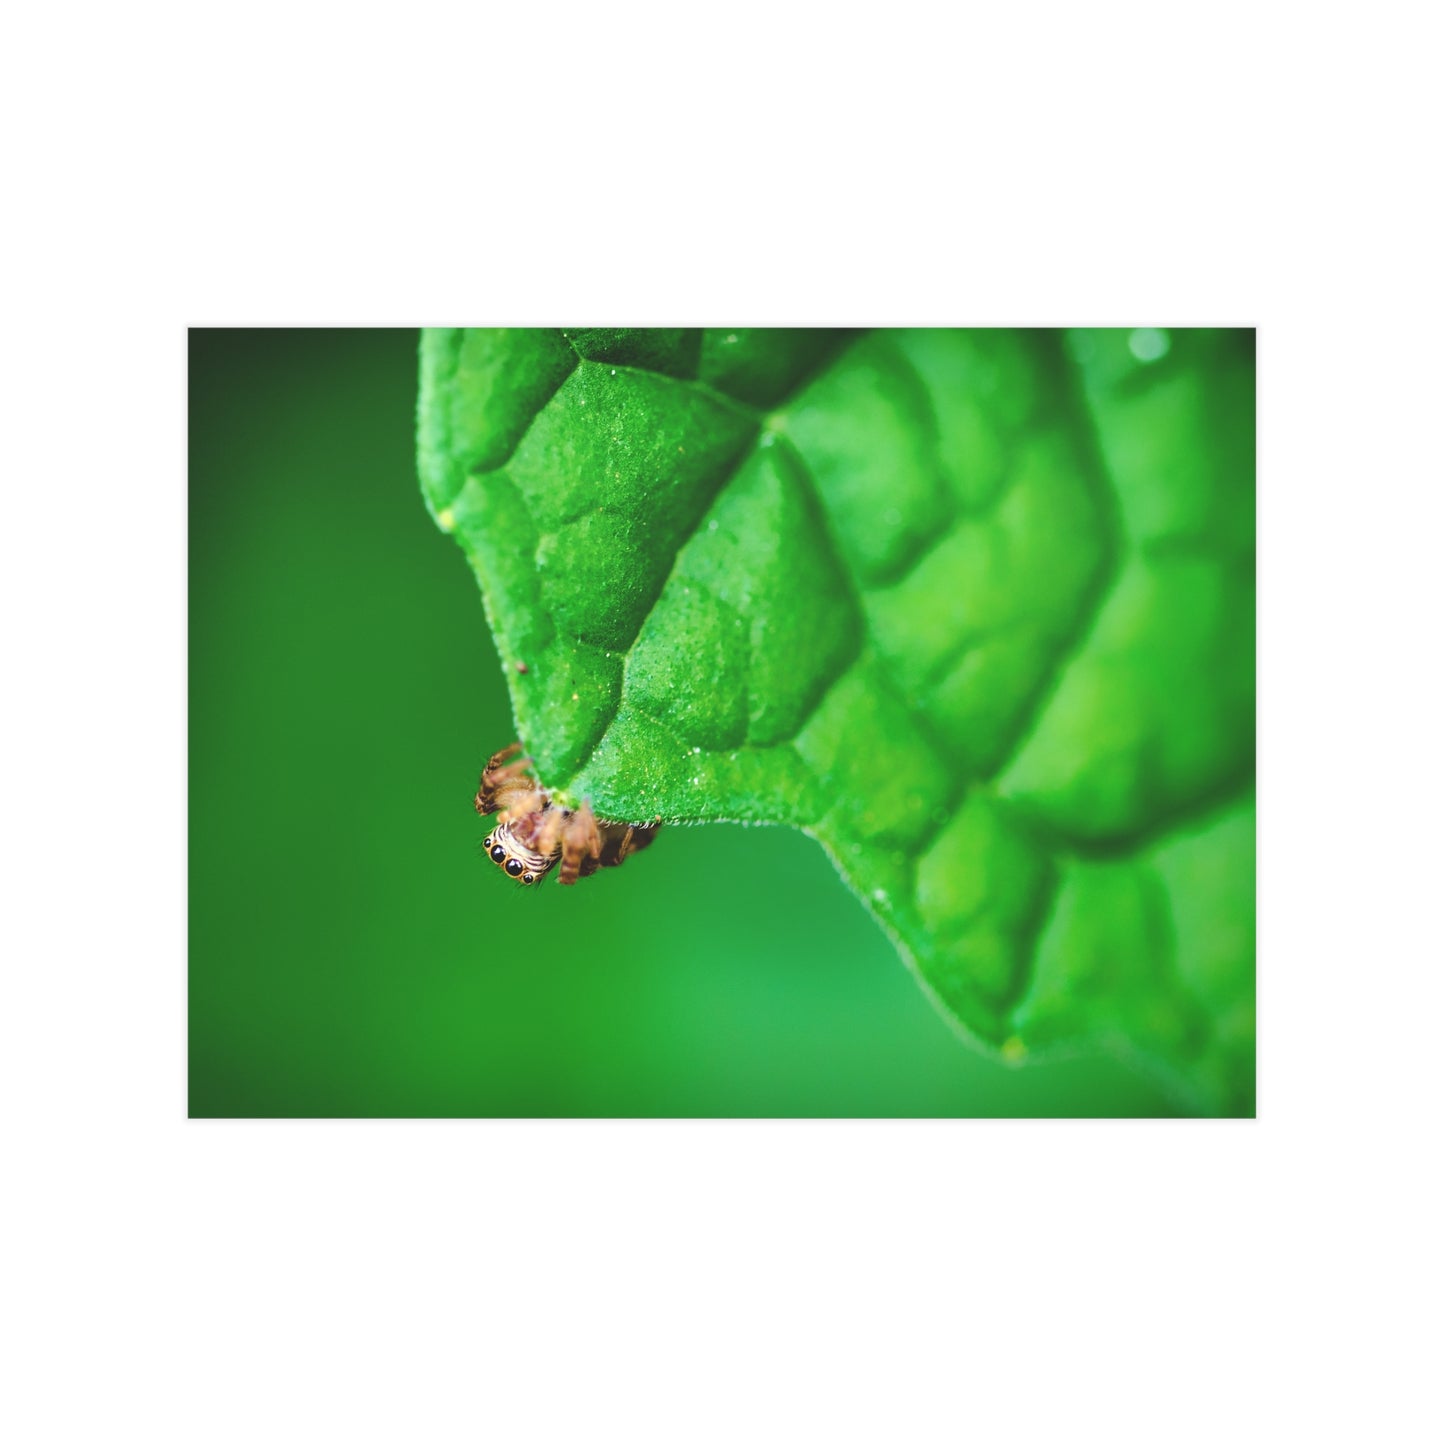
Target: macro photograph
[(754, 698), (721, 723)]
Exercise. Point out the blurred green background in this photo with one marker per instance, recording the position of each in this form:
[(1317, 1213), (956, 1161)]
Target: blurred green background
[(351, 953)]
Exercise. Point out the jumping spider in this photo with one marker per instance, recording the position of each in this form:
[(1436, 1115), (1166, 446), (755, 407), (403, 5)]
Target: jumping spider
[(533, 834)]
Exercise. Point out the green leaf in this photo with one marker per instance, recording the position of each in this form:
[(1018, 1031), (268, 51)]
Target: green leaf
[(973, 608)]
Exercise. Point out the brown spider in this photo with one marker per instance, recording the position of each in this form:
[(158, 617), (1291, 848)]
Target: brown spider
[(533, 833)]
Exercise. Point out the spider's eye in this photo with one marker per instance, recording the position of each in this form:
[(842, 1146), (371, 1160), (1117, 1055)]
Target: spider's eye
[(529, 878), (488, 843), (514, 865), (498, 853)]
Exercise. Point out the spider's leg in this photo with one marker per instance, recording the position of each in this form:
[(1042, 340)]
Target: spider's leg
[(502, 780), (580, 839)]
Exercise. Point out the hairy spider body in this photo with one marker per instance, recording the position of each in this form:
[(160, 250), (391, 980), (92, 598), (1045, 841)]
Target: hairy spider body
[(533, 834)]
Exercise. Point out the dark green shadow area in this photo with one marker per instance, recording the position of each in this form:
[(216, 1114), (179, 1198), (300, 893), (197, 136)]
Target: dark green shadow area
[(352, 954)]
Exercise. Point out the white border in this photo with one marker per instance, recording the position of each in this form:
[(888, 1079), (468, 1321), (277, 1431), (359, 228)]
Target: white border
[(1239, 165)]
